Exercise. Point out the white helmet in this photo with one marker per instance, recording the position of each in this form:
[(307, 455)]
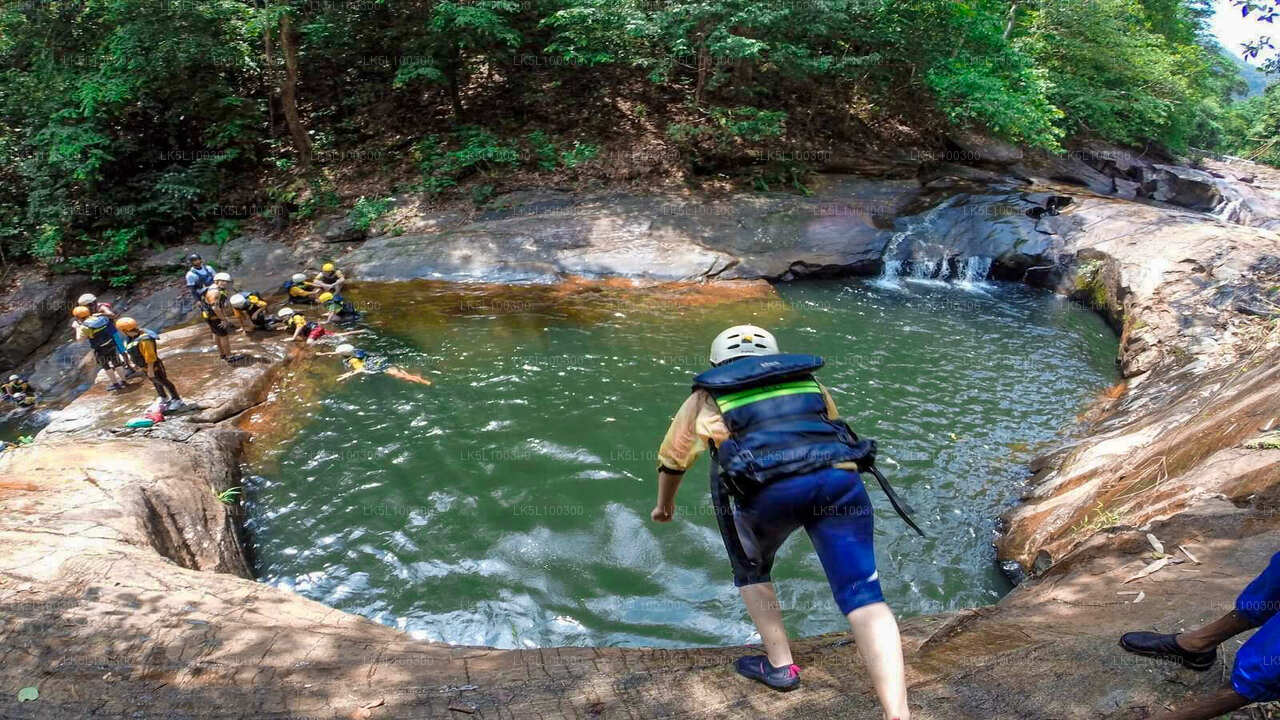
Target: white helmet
[(284, 312), (740, 341), (222, 277), (14, 378), (87, 299), (299, 277), (238, 301), (346, 349)]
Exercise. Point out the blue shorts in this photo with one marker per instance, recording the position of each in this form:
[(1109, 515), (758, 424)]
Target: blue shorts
[(1257, 671), (833, 507)]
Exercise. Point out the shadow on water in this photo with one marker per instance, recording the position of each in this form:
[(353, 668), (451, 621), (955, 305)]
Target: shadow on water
[(508, 504)]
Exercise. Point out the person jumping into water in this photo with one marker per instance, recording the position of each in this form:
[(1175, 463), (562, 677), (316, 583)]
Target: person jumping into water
[(779, 450), (1256, 675), (358, 361)]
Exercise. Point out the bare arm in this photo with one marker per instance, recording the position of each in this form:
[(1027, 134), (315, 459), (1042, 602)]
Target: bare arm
[(668, 484)]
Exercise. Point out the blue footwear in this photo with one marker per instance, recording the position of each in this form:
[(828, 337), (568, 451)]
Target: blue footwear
[(757, 667)]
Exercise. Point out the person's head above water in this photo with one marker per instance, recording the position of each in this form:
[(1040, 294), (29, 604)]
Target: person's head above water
[(742, 341)]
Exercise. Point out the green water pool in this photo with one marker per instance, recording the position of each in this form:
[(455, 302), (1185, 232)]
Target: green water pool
[(508, 504)]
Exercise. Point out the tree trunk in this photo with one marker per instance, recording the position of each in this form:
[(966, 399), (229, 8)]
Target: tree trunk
[(268, 82), (1010, 20), (454, 72), (289, 93), (704, 64)]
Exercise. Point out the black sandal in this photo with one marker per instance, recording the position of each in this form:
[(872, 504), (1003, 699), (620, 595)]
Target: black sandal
[(1166, 647)]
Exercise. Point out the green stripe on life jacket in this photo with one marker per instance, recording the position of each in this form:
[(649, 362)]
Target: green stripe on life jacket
[(735, 400)]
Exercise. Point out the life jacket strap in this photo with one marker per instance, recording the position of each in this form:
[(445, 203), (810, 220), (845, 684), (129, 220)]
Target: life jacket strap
[(734, 400)]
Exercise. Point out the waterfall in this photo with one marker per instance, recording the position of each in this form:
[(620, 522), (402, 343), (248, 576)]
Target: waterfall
[(927, 255), (1229, 211), (919, 226), (974, 270), (893, 268)]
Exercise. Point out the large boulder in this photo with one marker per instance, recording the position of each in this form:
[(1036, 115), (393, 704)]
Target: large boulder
[(843, 226), (1182, 186), (33, 313), (974, 146)]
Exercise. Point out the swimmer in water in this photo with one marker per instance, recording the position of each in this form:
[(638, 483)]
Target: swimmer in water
[(358, 361)]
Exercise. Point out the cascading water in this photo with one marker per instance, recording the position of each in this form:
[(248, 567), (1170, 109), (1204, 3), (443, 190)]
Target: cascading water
[(922, 233), (920, 227), (974, 270)]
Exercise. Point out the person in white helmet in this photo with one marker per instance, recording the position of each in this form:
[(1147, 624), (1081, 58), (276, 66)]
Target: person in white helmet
[(98, 307), (302, 292), (300, 328), (218, 314), (251, 310), (781, 453), (358, 362)]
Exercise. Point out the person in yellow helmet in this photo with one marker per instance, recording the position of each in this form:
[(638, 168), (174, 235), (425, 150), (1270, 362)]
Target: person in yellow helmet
[(330, 279), (142, 345), (337, 310)]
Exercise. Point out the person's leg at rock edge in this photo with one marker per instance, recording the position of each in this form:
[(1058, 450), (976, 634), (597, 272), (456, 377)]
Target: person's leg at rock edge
[(219, 331), (752, 534), (1256, 675), (109, 362), (841, 529), (164, 388), (835, 510)]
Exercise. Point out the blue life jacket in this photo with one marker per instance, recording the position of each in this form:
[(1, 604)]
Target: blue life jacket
[(101, 331), (144, 335), (777, 420)]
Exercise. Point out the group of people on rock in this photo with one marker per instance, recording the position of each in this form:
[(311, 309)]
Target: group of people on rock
[(123, 349)]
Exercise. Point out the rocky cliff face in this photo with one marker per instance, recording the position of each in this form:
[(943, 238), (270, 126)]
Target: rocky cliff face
[(125, 592)]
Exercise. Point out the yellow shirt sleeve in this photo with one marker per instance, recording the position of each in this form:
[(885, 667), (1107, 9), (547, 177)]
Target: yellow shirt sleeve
[(697, 421), (148, 350), (832, 413)]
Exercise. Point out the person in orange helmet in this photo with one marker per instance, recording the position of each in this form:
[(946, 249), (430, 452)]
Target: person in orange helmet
[(142, 345), (100, 331)]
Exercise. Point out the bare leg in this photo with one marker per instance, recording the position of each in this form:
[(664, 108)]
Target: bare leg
[(1210, 706), (1208, 637), (876, 632), (762, 604), (224, 345), (406, 375)]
